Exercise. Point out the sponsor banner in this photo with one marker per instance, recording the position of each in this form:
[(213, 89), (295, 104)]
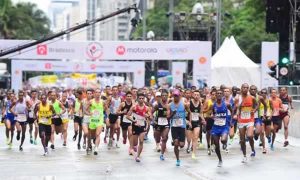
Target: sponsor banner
[(178, 68), (18, 66), (109, 50), (269, 57), (198, 51)]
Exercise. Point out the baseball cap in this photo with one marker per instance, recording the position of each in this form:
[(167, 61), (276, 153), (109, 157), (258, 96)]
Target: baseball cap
[(176, 92), (158, 94)]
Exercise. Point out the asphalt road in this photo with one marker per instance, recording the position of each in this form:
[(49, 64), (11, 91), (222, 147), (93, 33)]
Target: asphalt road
[(69, 163)]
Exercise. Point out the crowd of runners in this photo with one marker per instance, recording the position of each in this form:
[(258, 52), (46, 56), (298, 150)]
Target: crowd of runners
[(221, 113)]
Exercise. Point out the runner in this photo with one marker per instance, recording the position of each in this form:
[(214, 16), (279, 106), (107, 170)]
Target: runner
[(246, 107), (113, 121), (19, 108), (178, 122), (277, 107), (234, 119), (229, 100), (9, 118), (56, 120), (125, 123), (156, 132), (207, 112), (33, 101), (196, 115), (65, 116), (97, 109), (86, 104), (162, 123), (284, 115), (44, 111), (266, 128), (257, 115), (139, 114), (78, 116), (220, 129)]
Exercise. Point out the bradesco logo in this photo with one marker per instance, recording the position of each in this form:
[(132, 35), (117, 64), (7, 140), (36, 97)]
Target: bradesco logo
[(122, 50)]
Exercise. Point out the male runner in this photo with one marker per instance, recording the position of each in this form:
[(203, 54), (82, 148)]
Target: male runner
[(78, 117), (31, 119)]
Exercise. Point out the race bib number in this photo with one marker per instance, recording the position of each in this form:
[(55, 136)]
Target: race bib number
[(65, 115), (140, 120), (21, 117), (44, 120), (30, 114), (96, 114), (126, 120), (162, 121), (245, 115), (285, 107), (178, 122), (95, 120), (220, 121), (195, 116), (256, 114)]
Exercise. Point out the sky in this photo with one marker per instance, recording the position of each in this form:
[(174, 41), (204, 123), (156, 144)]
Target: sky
[(42, 4)]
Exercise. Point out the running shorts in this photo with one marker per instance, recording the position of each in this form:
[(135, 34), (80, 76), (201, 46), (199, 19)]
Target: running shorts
[(44, 129), (245, 125), (30, 120), (209, 123), (258, 121), (94, 124), (178, 133), (277, 120), (137, 130), (113, 118), (57, 121), (219, 131), (78, 119)]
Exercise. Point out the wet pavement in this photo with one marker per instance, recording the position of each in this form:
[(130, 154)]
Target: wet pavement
[(68, 163)]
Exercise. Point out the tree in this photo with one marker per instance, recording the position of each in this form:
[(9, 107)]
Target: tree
[(23, 21)]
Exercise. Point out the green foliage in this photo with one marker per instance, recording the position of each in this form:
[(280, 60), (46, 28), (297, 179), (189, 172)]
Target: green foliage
[(23, 21)]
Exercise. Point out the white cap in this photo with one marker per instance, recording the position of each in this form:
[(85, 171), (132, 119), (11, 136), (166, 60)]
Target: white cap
[(157, 94)]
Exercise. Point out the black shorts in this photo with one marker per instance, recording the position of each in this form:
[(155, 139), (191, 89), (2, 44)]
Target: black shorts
[(195, 124), (30, 120), (209, 123), (178, 133), (160, 128), (45, 129), (57, 121), (125, 125), (267, 122), (277, 120), (113, 118), (137, 130), (22, 123), (78, 119)]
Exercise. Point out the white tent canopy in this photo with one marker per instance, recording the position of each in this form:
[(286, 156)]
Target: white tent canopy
[(231, 67)]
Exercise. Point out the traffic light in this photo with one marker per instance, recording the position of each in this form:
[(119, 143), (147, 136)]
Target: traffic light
[(284, 61), (273, 71)]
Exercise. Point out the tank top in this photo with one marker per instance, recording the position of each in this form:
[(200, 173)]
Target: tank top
[(65, 115), (161, 118), (77, 110), (262, 108), (209, 106), (139, 115), (285, 102), (178, 120), (21, 111), (114, 105), (195, 110), (221, 114), (127, 108), (231, 103), (97, 111), (31, 110), (44, 114), (56, 107), (276, 106), (246, 105)]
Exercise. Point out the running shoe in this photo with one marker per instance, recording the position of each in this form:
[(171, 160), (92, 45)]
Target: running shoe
[(84, 146), (286, 143), (7, 141), (272, 147), (35, 142), (124, 141), (269, 139), (220, 164), (74, 137), (78, 146), (255, 137), (117, 145), (178, 163), (188, 150), (20, 148), (46, 151), (264, 151), (131, 152), (64, 144), (260, 144), (209, 151), (137, 159), (96, 151), (10, 145), (157, 148), (31, 140), (253, 154), (193, 156), (52, 146), (161, 157), (244, 160)]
